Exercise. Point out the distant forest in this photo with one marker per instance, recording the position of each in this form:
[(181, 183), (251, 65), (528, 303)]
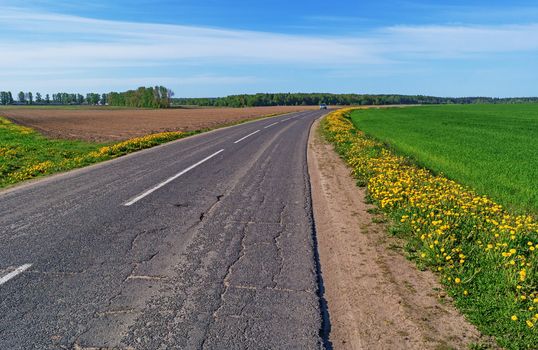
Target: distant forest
[(296, 99), (143, 97), (162, 97)]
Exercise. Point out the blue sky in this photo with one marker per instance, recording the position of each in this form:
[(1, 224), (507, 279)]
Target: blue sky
[(215, 48)]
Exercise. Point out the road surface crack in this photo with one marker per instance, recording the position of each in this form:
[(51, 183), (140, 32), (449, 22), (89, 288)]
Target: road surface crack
[(278, 244), (134, 240), (226, 283), (203, 214), (226, 280)]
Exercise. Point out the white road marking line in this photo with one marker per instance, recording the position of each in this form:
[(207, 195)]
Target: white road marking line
[(286, 119), (270, 125), (12, 274), (252, 133), (155, 188)]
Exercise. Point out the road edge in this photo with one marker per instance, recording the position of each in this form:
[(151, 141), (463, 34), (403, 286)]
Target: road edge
[(325, 326)]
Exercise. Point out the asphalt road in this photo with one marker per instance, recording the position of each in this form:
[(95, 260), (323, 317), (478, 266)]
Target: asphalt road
[(202, 243)]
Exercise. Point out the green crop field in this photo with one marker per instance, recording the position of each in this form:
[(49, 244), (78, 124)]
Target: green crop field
[(490, 148)]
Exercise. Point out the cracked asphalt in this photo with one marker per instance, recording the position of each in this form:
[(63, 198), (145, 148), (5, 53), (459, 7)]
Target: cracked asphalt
[(222, 257)]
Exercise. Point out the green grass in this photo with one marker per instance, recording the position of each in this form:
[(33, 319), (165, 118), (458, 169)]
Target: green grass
[(26, 154), (491, 148)]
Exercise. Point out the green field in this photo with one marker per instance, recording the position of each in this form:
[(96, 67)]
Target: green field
[(490, 148)]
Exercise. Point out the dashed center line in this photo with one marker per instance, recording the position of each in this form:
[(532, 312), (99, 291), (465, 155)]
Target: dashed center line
[(252, 133), (14, 273), (167, 181), (270, 125)]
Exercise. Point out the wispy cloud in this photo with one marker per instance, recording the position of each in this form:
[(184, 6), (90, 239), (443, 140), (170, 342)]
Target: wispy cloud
[(50, 42), (78, 41), (91, 42)]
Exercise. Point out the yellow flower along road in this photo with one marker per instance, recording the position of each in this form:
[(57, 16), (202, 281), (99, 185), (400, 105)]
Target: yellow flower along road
[(487, 257)]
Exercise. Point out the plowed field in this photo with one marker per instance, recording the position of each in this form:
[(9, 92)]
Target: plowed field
[(102, 124)]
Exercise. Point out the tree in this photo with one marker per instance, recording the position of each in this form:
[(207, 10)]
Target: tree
[(92, 98), (4, 98), (47, 99), (38, 97), (10, 97), (143, 97), (22, 98), (103, 100)]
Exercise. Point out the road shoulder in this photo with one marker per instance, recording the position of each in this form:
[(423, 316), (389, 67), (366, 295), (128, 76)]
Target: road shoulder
[(376, 298)]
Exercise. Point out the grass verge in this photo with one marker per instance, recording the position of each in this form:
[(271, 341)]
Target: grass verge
[(485, 256), (26, 154)]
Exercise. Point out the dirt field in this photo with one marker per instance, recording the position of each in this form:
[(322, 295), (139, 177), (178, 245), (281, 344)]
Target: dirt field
[(376, 298), (120, 124)]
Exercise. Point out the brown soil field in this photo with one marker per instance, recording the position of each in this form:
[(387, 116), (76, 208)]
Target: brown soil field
[(102, 124)]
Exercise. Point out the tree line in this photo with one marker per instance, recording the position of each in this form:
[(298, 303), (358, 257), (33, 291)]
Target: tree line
[(143, 97), (152, 97), (297, 99), (161, 97)]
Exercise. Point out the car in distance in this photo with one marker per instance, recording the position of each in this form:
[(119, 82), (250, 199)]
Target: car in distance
[(322, 106)]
